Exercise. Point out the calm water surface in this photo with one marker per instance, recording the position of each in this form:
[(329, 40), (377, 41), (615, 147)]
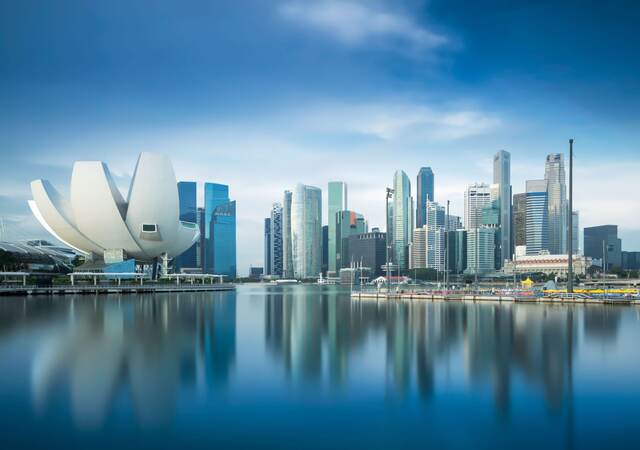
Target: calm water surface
[(305, 367)]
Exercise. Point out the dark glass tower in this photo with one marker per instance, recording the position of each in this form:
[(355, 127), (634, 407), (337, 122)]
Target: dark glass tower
[(425, 192), (188, 212)]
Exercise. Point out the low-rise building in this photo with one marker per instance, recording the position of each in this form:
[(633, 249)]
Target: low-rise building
[(547, 264)]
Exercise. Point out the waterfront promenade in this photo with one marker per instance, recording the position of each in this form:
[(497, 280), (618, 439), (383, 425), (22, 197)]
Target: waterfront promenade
[(19, 290)]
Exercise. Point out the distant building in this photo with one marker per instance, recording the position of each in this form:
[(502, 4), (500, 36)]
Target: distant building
[(520, 220), (476, 197), (368, 249), (275, 251), (453, 223), (348, 223), (537, 223), (502, 178), (457, 251), (306, 231), (267, 246), (337, 202), (325, 249), (480, 250), (402, 219), (603, 237), (200, 244), (576, 233), (287, 256), (554, 176), (255, 273), (424, 192), (188, 212), (547, 264), (631, 260)]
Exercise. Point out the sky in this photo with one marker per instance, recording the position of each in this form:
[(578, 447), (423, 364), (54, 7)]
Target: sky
[(263, 94)]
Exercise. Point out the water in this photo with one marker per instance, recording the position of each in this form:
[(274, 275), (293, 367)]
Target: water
[(305, 367)]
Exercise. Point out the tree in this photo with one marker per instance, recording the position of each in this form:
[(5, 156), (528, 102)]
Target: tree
[(425, 274), (7, 260)]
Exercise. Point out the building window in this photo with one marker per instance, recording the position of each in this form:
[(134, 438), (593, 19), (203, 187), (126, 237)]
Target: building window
[(149, 228)]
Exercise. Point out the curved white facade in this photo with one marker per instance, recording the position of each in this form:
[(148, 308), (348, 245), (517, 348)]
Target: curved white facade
[(97, 218)]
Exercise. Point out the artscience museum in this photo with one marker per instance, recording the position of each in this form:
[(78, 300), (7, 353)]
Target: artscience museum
[(98, 222)]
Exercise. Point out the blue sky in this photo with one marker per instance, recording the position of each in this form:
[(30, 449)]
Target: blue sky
[(263, 94)]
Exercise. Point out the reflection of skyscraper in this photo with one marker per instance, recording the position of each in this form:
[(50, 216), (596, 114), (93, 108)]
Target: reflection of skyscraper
[(217, 338)]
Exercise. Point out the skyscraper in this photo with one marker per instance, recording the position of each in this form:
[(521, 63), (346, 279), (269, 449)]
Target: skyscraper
[(368, 249), (520, 220), (476, 197), (537, 221), (220, 230), (480, 245), (306, 231), (557, 203), (576, 233), (434, 240), (287, 257), (402, 218), (457, 250), (424, 187), (275, 252), (188, 213), (267, 246), (502, 178), (337, 202)]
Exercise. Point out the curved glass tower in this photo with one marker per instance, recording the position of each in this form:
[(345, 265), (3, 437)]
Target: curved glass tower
[(306, 231), (402, 218)]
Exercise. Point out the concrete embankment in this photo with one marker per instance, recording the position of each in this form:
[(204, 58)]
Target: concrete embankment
[(488, 298)]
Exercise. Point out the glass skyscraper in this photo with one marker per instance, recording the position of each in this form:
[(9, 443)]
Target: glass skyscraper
[(267, 246), (220, 230), (287, 257), (306, 231), (337, 202), (402, 218), (348, 223), (275, 252), (557, 203), (502, 178), (187, 197), (537, 221), (424, 192)]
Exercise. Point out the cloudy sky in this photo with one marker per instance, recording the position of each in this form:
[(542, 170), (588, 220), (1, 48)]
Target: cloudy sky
[(262, 94)]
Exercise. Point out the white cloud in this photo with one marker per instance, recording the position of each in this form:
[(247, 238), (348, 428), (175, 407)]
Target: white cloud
[(361, 23)]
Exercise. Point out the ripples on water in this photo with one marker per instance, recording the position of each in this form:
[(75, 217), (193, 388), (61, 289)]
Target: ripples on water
[(306, 367)]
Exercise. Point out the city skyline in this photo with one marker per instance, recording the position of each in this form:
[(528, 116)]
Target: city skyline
[(225, 104)]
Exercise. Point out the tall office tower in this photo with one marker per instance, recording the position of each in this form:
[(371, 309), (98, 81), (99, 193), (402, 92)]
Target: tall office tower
[(576, 233), (267, 246), (306, 231), (200, 245), (537, 221), (520, 220), (337, 202), (188, 213), (275, 252), (419, 248), (402, 219), (348, 223), (483, 249), (287, 257), (601, 240), (453, 222), (424, 187), (491, 219), (434, 240), (502, 178), (476, 197), (220, 230), (557, 203), (457, 250)]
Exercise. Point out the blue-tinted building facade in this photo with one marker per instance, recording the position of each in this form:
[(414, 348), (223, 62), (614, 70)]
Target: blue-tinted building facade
[(220, 230), (187, 195), (425, 192)]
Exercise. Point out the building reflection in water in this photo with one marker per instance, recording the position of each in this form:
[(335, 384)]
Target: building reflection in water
[(313, 333), (145, 347)]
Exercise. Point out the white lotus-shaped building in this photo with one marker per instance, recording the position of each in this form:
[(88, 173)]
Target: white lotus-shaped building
[(97, 221)]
